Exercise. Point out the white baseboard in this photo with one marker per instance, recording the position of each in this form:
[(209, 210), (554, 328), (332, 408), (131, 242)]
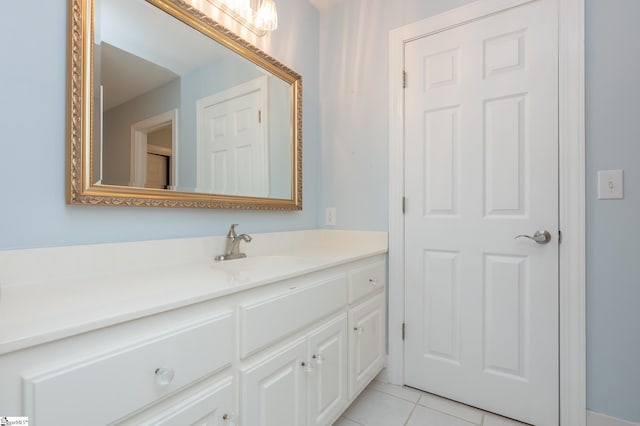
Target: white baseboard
[(383, 376), (597, 419)]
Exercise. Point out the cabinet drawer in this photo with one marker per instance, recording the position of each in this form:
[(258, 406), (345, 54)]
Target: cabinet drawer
[(112, 385), (366, 280), (212, 406), (269, 320)]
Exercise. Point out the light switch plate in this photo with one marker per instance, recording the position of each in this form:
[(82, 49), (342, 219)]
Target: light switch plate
[(610, 185)]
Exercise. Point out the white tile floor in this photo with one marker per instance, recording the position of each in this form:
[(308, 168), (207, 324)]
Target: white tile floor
[(382, 404)]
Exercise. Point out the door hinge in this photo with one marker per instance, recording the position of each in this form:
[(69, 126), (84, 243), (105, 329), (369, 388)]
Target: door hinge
[(404, 79), (559, 236), (403, 329), (404, 204), (259, 116)]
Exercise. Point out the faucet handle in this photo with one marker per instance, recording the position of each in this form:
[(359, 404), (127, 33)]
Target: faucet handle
[(232, 231)]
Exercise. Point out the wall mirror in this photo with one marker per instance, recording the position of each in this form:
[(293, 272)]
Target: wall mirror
[(167, 108)]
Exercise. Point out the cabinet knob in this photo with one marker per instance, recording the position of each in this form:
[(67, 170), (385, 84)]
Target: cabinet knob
[(164, 375), (319, 358), (228, 419), (373, 281), (359, 330), (308, 367)]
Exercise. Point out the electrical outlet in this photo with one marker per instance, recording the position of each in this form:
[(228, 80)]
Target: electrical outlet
[(610, 185), (330, 216)]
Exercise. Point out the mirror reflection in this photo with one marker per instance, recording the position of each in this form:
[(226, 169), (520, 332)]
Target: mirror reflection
[(176, 110)]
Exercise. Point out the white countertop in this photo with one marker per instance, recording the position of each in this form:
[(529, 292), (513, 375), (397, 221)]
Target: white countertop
[(53, 293)]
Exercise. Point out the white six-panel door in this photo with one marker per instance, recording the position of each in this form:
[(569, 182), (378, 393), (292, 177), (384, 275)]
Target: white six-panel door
[(481, 167), (232, 144)]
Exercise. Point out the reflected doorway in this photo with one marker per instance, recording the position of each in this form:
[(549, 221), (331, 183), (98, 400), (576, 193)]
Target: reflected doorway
[(153, 151), (159, 153)]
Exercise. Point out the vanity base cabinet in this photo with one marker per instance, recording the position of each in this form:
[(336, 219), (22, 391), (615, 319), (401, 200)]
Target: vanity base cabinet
[(366, 342), (294, 352), (275, 388)]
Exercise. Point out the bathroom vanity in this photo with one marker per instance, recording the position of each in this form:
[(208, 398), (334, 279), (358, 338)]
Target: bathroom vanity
[(158, 333)]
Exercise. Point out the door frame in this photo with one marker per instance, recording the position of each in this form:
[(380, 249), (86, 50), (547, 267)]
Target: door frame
[(571, 140), (139, 131)]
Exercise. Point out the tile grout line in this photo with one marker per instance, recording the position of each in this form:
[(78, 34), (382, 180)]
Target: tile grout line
[(396, 396), (482, 413), (411, 413), (351, 420), (437, 410), (417, 403)]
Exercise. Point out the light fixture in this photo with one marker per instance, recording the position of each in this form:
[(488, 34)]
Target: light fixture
[(259, 16), (267, 15)]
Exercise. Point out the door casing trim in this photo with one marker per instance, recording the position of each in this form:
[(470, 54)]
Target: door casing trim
[(572, 276)]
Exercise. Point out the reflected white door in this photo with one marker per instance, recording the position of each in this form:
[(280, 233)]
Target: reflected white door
[(481, 167), (232, 152)]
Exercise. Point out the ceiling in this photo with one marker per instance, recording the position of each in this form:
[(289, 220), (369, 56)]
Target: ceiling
[(150, 52), (142, 75), (324, 4)]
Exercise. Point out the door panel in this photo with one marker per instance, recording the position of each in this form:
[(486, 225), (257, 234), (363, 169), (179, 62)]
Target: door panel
[(481, 167), (505, 302), (441, 314)]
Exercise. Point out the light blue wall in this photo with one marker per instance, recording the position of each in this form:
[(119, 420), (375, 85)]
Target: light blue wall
[(117, 121), (613, 227), (33, 212), (354, 117), (354, 51)]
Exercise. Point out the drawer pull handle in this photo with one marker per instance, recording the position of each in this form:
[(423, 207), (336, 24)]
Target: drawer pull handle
[(319, 358), (359, 330), (164, 375)]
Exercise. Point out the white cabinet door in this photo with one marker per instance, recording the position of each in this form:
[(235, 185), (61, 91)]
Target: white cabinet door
[(366, 342), (275, 388), (328, 380)]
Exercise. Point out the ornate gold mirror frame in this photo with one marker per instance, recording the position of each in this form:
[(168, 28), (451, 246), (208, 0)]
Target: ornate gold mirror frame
[(81, 190)]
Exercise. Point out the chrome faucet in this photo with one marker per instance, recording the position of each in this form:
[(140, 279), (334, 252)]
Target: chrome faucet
[(233, 245)]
